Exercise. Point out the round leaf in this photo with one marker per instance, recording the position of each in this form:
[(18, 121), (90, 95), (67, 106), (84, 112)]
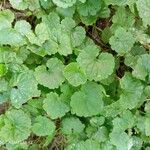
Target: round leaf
[(54, 106), (51, 77), (96, 68), (74, 74), (43, 126), (16, 128), (72, 125), (88, 101)]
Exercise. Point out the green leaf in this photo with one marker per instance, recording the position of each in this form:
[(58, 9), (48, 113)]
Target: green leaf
[(65, 46), (131, 96), (43, 126), (3, 85), (120, 2), (144, 9), (147, 105), (4, 97), (137, 143), (12, 37), (86, 145), (66, 12), (68, 24), (141, 36), (3, 70), (83, 1), (90, 7), (104, 12), (47, 4), (51, 77), (113, 109), (101, 135), (20, 4), (61, 33), (52, 21), (121, 140), (78, 36), (106, 34), (6, 18), (147, 126), (97, 66), (54, 106), (47, 48), (132, 90), (123, 18), (88, 20), (132, 57), (34, 5), (40, 36), (7, 57), (107, 146), (25, 88), (89, 97), (16, 128), (67, 91), (122, 41), (21, 146), (25, 4), (142, 67), (64, 3), (125, 121), (74, 74), (34, 107), (97, 121), (72, 125), (41, 32), (23, 27)]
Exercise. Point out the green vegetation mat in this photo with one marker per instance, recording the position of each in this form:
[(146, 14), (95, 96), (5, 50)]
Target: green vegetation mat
[(75, 75)]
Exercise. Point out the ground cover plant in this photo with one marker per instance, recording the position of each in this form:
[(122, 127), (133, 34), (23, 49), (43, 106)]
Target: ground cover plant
[(75, 75)]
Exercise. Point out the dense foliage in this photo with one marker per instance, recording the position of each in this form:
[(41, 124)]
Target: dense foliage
[(75, 74)]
